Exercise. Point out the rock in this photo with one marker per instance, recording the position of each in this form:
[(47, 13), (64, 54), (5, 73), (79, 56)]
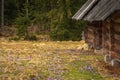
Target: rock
[(107, 58), (115, 62)]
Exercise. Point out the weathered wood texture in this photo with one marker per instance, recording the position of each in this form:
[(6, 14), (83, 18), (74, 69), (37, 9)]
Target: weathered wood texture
[(98, 36), (93, 35), (111, 35), (105, 34), (106, 39), (116, 31), (89, 35)]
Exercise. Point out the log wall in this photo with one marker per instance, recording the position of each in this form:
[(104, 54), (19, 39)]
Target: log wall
[(93, 35), (89, 35), (106, 37), (98, 36), (105, 34), (111, 35)]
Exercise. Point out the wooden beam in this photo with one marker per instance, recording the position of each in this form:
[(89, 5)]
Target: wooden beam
[(117, 37), (117, 27), (117, 41), (91, 36)]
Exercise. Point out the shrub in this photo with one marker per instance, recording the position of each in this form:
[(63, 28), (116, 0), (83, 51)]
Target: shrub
[(68, 30), (22, 24), (30, 37), (14, 38)]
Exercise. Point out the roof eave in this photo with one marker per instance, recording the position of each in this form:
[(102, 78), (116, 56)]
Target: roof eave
[(84, 9)]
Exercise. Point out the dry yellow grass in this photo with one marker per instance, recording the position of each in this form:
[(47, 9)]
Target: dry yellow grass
[(23, 60)]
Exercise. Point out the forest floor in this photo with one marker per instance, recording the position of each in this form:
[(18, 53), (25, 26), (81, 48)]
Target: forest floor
[(24, 60)]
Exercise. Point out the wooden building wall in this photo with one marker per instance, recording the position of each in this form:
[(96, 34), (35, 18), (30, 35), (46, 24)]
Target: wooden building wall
[(105, 35), (89, 35), (115, 48), (111, 35), (93, 35)]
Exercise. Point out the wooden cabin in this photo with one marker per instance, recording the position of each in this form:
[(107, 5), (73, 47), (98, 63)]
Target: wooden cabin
[(103, 29)]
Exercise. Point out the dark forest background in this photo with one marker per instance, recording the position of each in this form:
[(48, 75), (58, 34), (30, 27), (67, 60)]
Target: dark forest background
[(28, 18)]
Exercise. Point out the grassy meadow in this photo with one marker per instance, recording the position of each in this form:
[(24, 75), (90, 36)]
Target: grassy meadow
[(24, 60)]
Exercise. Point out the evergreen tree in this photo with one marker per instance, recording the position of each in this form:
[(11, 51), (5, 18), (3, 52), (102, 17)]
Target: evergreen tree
[(53, 16), (2, 14)]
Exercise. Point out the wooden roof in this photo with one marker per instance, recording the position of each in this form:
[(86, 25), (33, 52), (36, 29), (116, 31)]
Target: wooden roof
[(96, 10)]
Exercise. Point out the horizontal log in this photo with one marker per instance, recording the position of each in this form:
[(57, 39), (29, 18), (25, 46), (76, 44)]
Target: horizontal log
[(90, 36), (116, 14), (116, 51), (106, 38), (117, 20), (115, 54), (108, 43), (107, 34), (118, 33), (90, 40), (116, 27), (105, 51), (117, 37), (106, 47), (116, 17), (91, 27), (106, 28), (91, 30), (116, 46), (107, 25), (117, 41), (98, 40)]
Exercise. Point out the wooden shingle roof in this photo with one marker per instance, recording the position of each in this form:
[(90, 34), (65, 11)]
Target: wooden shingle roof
[(96, 10)]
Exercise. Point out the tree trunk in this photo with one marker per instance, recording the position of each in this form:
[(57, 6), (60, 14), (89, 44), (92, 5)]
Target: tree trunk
[(2, 14), (27, 8)]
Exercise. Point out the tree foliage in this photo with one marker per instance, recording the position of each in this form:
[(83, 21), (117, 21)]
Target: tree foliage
[(52, 17)]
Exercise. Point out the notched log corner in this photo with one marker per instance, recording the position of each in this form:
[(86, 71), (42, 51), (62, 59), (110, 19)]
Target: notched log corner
[(107, 58), (115, 62)]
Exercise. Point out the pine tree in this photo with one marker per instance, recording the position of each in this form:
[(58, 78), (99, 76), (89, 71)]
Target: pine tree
[(2, 14)]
